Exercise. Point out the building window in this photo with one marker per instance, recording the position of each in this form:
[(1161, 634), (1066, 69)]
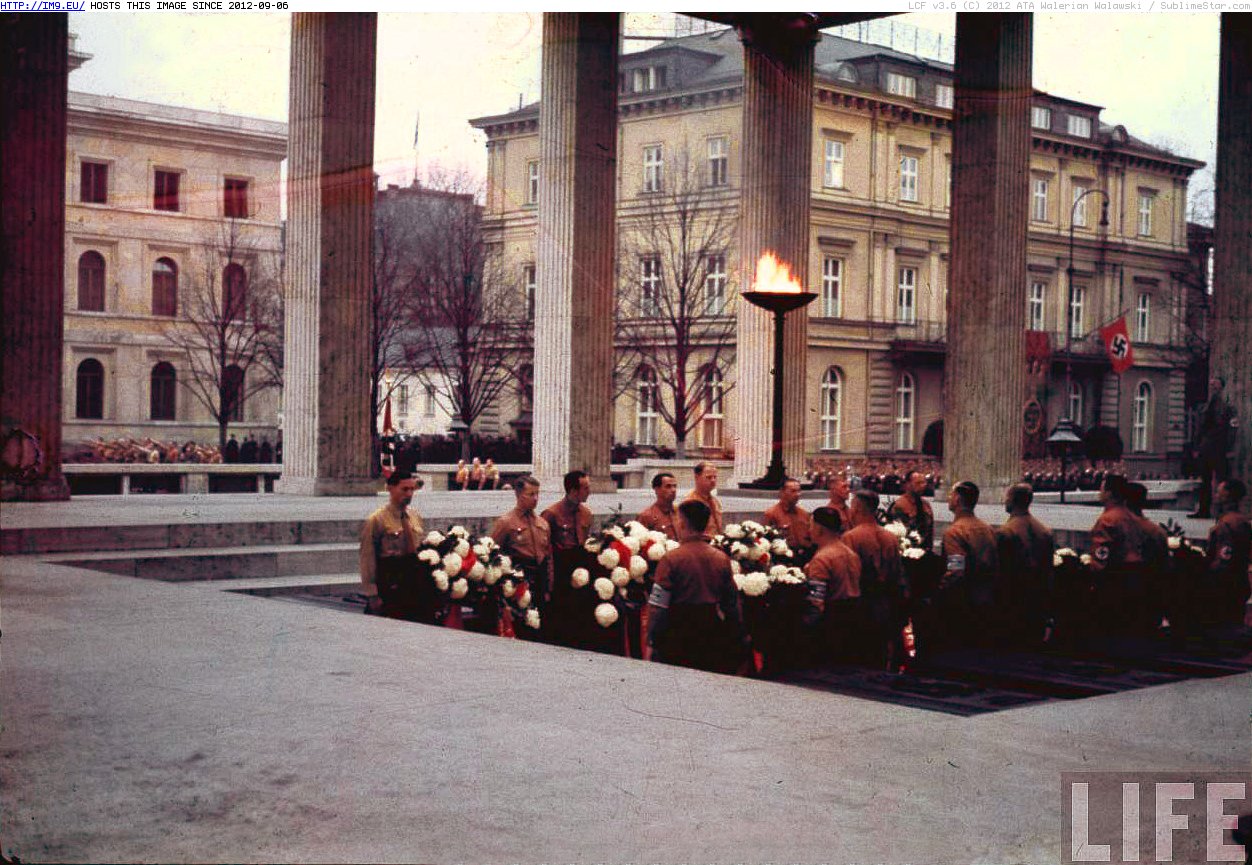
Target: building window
[(1079, 206), (1035, 306), (1146, 201), (232, 394), (647, 415), (532, 182), (1076, 124), (1075, 403), (650, 287), (1039, 200), (711, 421), (943, 95), (832, 281), (647, 79), (1040, 117), (161, 402), (719, 161), (653, 168), (906, 296), (905, 412), (525, 391), (235, 198), (715, 285), (94, 185), (89, 390), (234, 293), (165, 287), (847, 73), (832, 410), (1076, 325), (528, 288), (91, 281), (832, 173), (1142, 431), (402, 403), (1143, 318), (429, 409), (908, 178), (901, 85), (165, 190)]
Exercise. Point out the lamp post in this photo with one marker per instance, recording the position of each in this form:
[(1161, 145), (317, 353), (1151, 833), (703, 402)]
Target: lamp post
[(1064, 436), (1069, 285)]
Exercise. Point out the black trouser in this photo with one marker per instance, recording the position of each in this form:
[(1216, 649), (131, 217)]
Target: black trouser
[(1214, 468), (536, 574), (697, 636), (406, 590)]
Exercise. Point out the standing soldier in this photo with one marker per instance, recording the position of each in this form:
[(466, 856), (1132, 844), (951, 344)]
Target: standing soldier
[(914, 511), (792, 520), (839, 489), (388, 560), (660, 515), (967, 590), (526, 539), (1213, 440), (1161, 584), (1119, 550), (569, 523), (695, 619), (1025, 548), (1229, 550), (705, 483), (884, 585), (834, 577)]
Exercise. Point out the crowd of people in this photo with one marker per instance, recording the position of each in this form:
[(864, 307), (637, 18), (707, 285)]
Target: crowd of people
[(477, 475), (150, 450)]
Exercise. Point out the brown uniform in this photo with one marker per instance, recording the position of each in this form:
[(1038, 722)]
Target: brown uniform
[(1229, 551), (701, 625), (839, 568), (841, 626), (569, 526), (796, 524), (1123, 551), (917, 515), (884, 586), (715, 525), (1026, 547), (658, 520), (845, 513), (973, 561), (389, 540), (526, 539)]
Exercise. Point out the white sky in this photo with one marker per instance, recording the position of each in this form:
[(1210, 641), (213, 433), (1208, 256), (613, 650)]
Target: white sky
[(1156, 73)]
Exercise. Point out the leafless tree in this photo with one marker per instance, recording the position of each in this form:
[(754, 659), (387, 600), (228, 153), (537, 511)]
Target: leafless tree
[(675, 300), (229, 323)]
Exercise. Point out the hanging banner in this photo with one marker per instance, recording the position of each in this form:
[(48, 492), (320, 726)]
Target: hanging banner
[(1117, 344)]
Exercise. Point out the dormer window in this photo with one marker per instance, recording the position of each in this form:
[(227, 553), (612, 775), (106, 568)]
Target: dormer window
[(901, 85), (943, 96), (647, 79), (847, 73), (1040, 117), (1077, 125)]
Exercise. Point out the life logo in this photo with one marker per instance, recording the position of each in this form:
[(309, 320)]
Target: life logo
[(1120, 346)]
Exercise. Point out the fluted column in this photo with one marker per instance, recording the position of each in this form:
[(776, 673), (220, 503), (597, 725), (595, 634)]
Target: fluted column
[(985, 371), (34, 69), (330, 212), (1232, 247), (574, 279), (776, 192)]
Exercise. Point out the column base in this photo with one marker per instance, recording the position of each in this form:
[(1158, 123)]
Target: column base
[(45, 490), (328, 486)]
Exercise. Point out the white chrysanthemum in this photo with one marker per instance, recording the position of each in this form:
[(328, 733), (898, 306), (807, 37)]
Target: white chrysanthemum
[(735, 567), (754, 584), (523, 600), (616, 531), (592, 546), (505, 564), (733, 531), (656, 552), (778, 548), (1175, 542), (1057, 560), (915, 538), (898, 529), (508, 588), (480, 551), (633, 544), (606, 615), (752, 526), (460, 589), (738, 550), (477, 572), (670, 545), (459, 531), (657, 537), (762, 555), (777, 570), (430, 557), (463, 549), (789, 576), (609, 559), (637, 529), (580, 578), (620, 577), (1066, 551), (638, 567), (441, 580), (532, 619), (434, 539), (492, 576), (452, 564), (1085, 558), (604, 588), (914, 553)]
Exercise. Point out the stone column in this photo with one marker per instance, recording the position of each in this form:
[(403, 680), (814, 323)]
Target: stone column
[(1232, 248), (774, 215), (34, 69), (330, 211), (985, 370), (575, 284)]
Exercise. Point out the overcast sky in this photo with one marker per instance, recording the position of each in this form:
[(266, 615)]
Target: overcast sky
[(1154, 73)]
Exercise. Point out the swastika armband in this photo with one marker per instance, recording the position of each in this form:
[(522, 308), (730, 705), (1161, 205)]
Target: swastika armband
[(1226, 552), (659, 597), (817, 590), (956, 563), (1101, 554)]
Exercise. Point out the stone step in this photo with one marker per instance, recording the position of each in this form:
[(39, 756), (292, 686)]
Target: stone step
[(225, 563), (176, 536)]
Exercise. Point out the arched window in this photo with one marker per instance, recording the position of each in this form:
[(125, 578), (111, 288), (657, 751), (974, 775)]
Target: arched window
[(164, 287), (232, 393), (161, 402), (526, 389), (832, 410), (234, 293), (89, 390), (906, 411), (647, 416), (1142, 432), (91, 281), (1075, 403), (713, 416)]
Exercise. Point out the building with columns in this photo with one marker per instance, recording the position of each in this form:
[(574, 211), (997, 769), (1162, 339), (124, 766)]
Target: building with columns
[(878, 238)]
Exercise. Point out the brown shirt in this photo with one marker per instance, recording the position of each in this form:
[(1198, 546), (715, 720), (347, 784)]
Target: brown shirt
[(386, 533), (569, 527), (839, 568), (523, 536), (658, 520), (696, 573), (917, 515), (1119, 538), (879, 553), (845, 514), (970, 547), (1230, 544), (796, 524), (1025, 547), (715, 525)]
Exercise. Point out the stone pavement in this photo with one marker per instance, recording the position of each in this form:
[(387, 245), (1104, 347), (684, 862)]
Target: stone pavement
[(146, 721)]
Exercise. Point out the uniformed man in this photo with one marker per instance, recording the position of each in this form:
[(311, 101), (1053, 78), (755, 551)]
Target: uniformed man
[(526, 539), (839, 489), (884, 584), (388, 559), (569, 523), (792, 520), (1214, 437), (1120, 548), (967, 590), (834, 576), (660, 515), (914, 511), (1161, 584), (1229, 551), (705, 483), (1025, 546), (695, 619)]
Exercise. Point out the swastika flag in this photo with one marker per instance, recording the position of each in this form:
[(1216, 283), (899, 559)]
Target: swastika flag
[(1117, 344)]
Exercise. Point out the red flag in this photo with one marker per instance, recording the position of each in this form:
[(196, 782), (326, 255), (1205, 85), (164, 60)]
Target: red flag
[(1117, 344)]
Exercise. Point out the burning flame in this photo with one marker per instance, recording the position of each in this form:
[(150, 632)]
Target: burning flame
[(774, 276)]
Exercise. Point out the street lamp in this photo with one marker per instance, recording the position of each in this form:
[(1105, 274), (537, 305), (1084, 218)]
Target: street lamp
[(1069, 283), (776, 292), (1064, 436)]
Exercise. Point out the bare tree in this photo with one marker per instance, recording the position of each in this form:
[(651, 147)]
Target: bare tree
[(675, 303), (228, 323)]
